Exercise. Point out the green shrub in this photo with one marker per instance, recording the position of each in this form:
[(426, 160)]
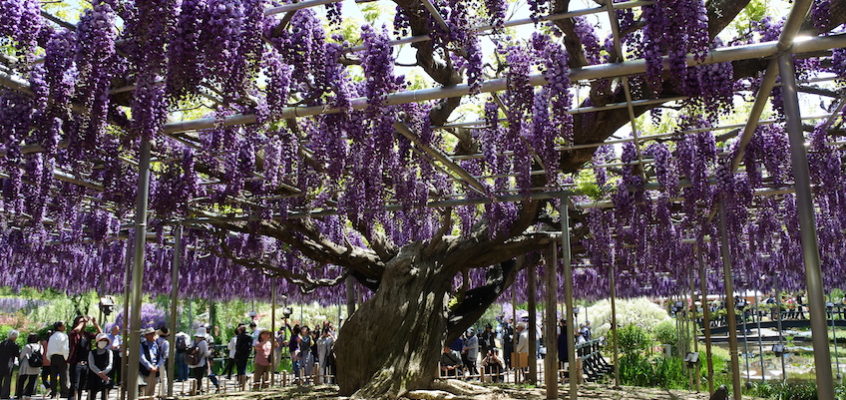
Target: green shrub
[(791, 391), (632, 338), (666, 333)]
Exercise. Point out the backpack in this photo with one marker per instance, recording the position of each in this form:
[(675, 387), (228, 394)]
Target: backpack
[(192, 356), (35, 360), (181, 343)]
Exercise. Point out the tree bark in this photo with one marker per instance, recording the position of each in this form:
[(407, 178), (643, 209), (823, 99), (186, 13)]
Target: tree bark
[(392, 343)]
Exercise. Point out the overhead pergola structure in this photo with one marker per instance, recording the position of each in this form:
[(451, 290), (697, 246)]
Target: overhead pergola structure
[(191, 134)]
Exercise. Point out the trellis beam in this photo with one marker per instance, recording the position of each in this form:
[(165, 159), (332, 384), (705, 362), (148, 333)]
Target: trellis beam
[(602, 71)]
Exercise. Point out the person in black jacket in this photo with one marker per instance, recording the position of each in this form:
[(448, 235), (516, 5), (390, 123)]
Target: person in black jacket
[(9, 352), (563, 343), (507, 342), (486, 340), (243, 347)]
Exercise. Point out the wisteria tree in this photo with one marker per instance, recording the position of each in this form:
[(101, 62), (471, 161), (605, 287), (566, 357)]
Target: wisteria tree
[(364, 185)]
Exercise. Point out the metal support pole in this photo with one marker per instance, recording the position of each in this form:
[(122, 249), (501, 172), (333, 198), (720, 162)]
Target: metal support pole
[(615, 351), (834, 334), (780, 335), (706, 318), (746, 339), (273, 330), (531, 275), (807, 229), (550, 376), (124, 361), (138, 268), (572, 373), (730, 310), (760, 341), (174, 301), (695, 333)]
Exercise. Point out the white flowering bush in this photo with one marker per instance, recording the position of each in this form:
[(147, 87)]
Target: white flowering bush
[(639, 311)]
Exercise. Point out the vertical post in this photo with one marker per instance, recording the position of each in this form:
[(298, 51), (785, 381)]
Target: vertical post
[(780, 336), (551, 358), (760, 340), (746, 338), (531, 274), (568, 297), (807, 229), (695, 332), (124, 361), (174, 301), (833, 317), (350, 283), (728, 280), (273, 330), (615, 351), (138, 268), (706, 317)]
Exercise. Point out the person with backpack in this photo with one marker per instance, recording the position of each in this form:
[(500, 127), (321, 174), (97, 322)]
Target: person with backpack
[(243, 348), (183, 342), (31, 360), (196, 357), (9, 352), (100, 364)]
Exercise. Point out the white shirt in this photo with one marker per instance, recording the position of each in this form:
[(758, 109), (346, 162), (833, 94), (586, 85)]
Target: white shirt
[(231, 346), (522, 342), (58, 344)]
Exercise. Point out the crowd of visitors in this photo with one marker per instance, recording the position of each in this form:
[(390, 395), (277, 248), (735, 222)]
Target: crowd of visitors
[(464, 355), (72, 360)]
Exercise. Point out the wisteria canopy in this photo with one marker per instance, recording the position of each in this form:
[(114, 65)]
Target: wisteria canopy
[(296, 148)]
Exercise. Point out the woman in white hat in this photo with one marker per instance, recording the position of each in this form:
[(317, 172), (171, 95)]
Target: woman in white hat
[(196, 357), (100, 364)]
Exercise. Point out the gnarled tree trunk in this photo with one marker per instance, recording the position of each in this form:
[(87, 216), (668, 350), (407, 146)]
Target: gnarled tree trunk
[(392, 343)]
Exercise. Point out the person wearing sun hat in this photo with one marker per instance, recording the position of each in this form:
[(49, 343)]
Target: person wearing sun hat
[(100, 365), (150, 360), (198, 366)]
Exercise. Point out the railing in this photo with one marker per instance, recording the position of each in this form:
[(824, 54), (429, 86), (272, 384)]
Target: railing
[(589, 360), (792, 312)]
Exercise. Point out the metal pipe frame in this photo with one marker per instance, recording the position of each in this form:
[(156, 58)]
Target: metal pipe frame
[(807, 229), (614, 349), (706, 317), (695, 332), (138, 268), (728, 280), (564, 208), (551, 358), (760, 340), (780, 332), (531, 277), (745, 342), (602, 71), (174, 302)]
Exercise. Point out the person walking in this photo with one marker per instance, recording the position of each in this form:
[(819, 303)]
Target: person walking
[(507, 343), (150, 361), (45, 361), (264, 354), (58, 349), (9, 353), (183, 343), (164, 352), (116, 345), (470, 350), (197, 358), (304, 354), (229, 365), (100, 365), (243, 348), (521, 359), (324, 350), (31, 360)]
